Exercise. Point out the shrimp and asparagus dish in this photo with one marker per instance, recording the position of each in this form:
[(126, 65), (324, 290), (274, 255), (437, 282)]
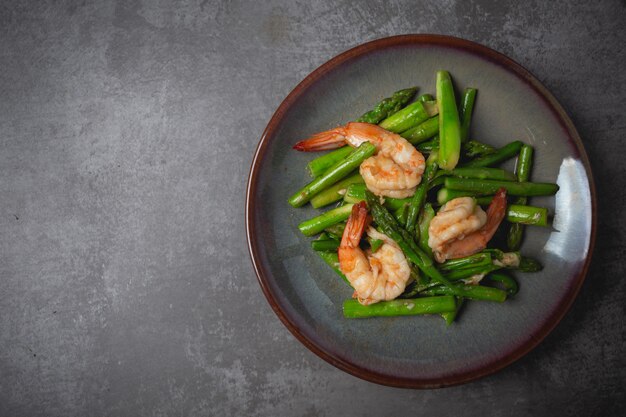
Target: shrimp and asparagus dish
[(414, 205)]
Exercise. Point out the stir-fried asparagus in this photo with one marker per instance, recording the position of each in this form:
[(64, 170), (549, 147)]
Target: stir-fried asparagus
[(422, 131), (528, 215), (449, 123), (482, 173), (442, 130), (325, 245), (320, 165), (500, 155), (333, 175), (356, 193), (388, 106), (420, 196), (473, 149), (411, 115), (335, 192), (491, 186), (524, 164), (473, 292), (352, 309), (467, 108), (317, 224)]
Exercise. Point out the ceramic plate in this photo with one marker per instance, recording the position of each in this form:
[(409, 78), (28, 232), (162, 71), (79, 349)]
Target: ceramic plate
[(420, 352)]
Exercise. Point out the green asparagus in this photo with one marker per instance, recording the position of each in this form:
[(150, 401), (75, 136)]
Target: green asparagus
[(388, 106), (467, 108), (422, 131), (500, 155), (420, 196), (334, 174), (524, 164), (482, 173), (491, 186), (320, 165), (318, 224), (528, 215), (473, 292), (356, 193), (473, 149), (352, 309), (411, 115), (336, 191), (510, 285), (449, 123), (325, 245)]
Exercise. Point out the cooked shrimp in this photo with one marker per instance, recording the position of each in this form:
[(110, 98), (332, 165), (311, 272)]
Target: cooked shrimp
[(461, 228), (394, 171), (377, 276)]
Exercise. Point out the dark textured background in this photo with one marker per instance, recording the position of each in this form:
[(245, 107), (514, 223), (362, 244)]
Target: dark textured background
[(127, 129)]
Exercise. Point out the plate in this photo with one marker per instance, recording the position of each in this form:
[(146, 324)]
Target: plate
[(420, 352)]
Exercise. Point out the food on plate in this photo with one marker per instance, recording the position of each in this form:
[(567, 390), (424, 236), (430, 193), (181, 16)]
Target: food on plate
[(422, 212)]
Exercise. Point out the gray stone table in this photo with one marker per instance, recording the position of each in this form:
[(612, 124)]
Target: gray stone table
[(126, 132)]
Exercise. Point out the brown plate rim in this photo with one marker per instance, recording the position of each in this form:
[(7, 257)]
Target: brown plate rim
[(262, 271)]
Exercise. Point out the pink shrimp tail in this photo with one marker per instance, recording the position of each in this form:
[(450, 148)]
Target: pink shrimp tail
[(495, 213), (355, 227), (323, 141)]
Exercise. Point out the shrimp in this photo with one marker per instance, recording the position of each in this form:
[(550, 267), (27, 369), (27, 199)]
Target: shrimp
[(396, 169), (461, 228), (375, 277)]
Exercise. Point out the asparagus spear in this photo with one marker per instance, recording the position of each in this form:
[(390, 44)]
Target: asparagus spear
[(473, 148), (473, 292), (420, 196), (411, 115), (524, 164), (400, 215), (422, 131), (450, 316), (430, 145), (529, 215), (478, 259), (449, 124), (319, 165), (356, 193), (325, 245), (482, 173), (426, 97), (388, 106), (513, 260), (352, 309), (529, 265), (333, 175), (444, 195), (336, 230), (509, 283), (502, 154), (471, 271), (467, 108), (427, 214), (491, 186), (335, 192), (318, 224)]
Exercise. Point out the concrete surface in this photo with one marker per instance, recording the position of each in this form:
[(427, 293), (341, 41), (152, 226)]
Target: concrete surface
[(127, 129)]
